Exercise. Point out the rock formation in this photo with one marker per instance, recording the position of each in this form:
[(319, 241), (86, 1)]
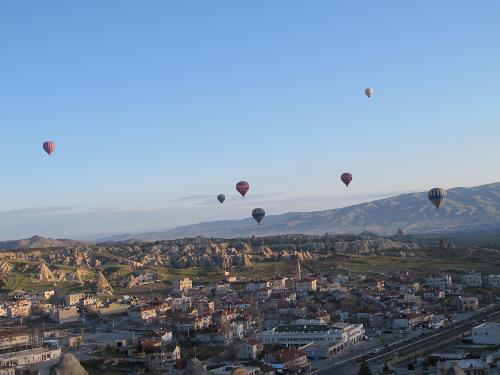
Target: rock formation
[(5, 267), (44, 273), (103, 286), (69, 365)]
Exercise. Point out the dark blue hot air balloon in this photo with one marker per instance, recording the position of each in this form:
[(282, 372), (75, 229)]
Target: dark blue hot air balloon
[(258, 214), (436, 196), (221, 198)]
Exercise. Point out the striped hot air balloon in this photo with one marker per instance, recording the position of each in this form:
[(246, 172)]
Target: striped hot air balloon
[(258, 214), (221, 198), (437, 196), (346, 178), (49, 147), (242, 187)]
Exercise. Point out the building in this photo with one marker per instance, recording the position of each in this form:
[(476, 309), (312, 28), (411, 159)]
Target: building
[(142, 313), (299, 335), (308, 284), (467, 303), (350, 333), (48, 293), (442, 281), (493, 281), (408, 321), (63, 315), (468, 366), (290, 361), (472, 279), (14, 339), (73, 299), (165, 358), (108, 309), (28, 357), (486, 334), (249, 351), (182, 285), (317, 351), (19, 309)]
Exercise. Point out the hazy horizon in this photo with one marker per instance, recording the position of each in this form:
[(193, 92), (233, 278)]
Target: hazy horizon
[(158, 107)]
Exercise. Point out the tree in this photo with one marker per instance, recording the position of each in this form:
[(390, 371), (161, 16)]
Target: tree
[(364, 369)]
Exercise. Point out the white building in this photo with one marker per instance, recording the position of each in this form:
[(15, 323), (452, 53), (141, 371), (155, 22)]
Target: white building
[(182, 285), (472, 279), (28, 357), (442, 281), (468, 303), (299, 335), (493, 281), (486, 334)]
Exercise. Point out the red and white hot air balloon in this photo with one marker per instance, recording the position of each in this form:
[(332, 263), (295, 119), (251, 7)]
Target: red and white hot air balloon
[(49, 147), (242, 187)]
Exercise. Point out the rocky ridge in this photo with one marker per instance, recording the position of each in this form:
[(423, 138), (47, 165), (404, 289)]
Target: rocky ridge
[(204, 252)]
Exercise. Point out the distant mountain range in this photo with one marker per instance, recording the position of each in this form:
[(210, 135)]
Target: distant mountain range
[(37, 242), (466, 209)]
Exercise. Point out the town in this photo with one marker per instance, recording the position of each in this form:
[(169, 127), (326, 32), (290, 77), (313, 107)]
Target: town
[(391, 323)]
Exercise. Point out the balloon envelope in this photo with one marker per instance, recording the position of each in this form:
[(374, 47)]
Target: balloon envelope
[(49, 147), (242, 187), (369, 92), (346, 178), (437, 196), (221, 198), (258, 214)]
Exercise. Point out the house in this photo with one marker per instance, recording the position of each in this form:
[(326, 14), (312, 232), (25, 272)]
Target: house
[(308, 284), (442, 281), (62, 315), (250, 350), (19, 309), (73, 299), (182, 285), (472, 279), (411, 320), (289, 361), (486, 334), (278, 282), (493, 281), (468, 366), (48, 293), (142, 313), (29, 357), (163, 359), (467, 303)]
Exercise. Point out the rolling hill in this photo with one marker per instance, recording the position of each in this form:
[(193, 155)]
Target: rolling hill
[(38, 242), (466, 209)]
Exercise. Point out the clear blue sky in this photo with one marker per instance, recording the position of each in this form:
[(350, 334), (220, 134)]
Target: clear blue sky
[(157, 106)]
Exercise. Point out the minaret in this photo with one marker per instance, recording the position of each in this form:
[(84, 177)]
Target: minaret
[(299, 272)]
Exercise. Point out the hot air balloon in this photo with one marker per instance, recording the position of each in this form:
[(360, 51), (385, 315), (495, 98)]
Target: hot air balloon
[(242, 188), (369, 92), (221, 198), (49, 147), (436, 196), (346, 178), (258, 214)]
